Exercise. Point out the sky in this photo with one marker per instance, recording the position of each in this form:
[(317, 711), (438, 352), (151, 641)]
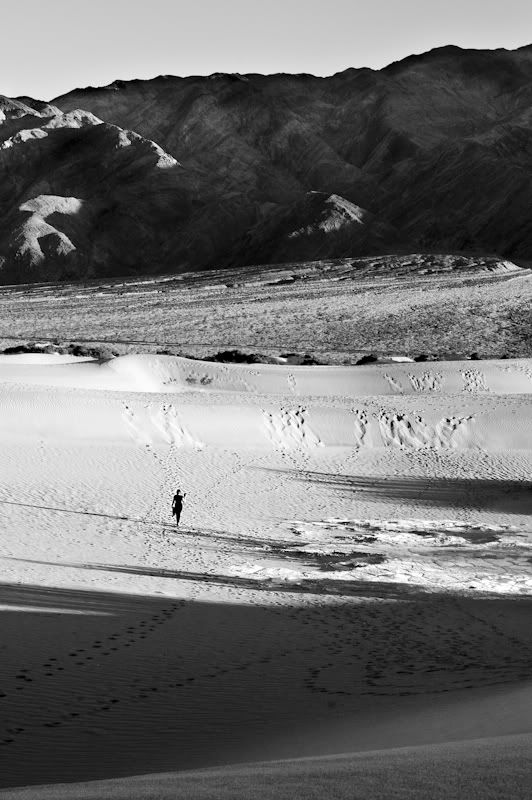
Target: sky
[(52, 46)]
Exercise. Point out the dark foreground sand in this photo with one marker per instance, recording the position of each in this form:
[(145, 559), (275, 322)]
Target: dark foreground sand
[(103, 685)]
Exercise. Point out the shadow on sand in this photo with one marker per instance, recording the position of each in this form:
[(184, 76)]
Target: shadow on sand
[(135, 684), (208, 533), (486, 494), (324, 586)]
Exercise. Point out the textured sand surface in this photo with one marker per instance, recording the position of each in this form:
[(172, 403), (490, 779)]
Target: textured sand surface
[(352, 572), (485, 769)]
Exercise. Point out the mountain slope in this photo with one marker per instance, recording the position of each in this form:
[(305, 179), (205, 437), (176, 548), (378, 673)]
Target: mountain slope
[(434, 151), (314, 227), (81, 197), (437, 145)]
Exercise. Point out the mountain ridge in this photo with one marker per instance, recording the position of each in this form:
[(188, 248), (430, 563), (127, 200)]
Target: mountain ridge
[(434, 149), (449, 48)]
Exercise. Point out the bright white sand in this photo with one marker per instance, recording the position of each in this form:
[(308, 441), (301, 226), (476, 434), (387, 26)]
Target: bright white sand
[(352, 572)]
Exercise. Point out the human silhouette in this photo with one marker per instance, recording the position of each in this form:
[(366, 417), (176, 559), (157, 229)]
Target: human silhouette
[(177, 505)]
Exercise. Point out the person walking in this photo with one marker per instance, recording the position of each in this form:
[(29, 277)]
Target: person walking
[(177, 505)]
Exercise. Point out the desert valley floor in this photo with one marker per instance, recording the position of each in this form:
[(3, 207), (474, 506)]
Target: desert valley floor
[(352, 572)]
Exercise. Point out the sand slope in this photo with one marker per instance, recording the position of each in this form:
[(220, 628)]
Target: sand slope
[(451, 405), (486, 768), (352, 572)]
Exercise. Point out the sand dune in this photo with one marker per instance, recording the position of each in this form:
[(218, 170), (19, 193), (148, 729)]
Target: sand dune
[(487, 768), (146, 373), (352, 573), (191, 404)]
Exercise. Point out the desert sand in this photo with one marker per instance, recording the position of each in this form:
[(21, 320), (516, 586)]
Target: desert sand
[(351, 576)]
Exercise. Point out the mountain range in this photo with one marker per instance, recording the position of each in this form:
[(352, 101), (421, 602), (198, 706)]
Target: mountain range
[(432, 153)]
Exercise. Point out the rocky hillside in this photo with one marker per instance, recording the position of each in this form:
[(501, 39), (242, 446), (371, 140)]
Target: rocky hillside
[(433, 152)]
